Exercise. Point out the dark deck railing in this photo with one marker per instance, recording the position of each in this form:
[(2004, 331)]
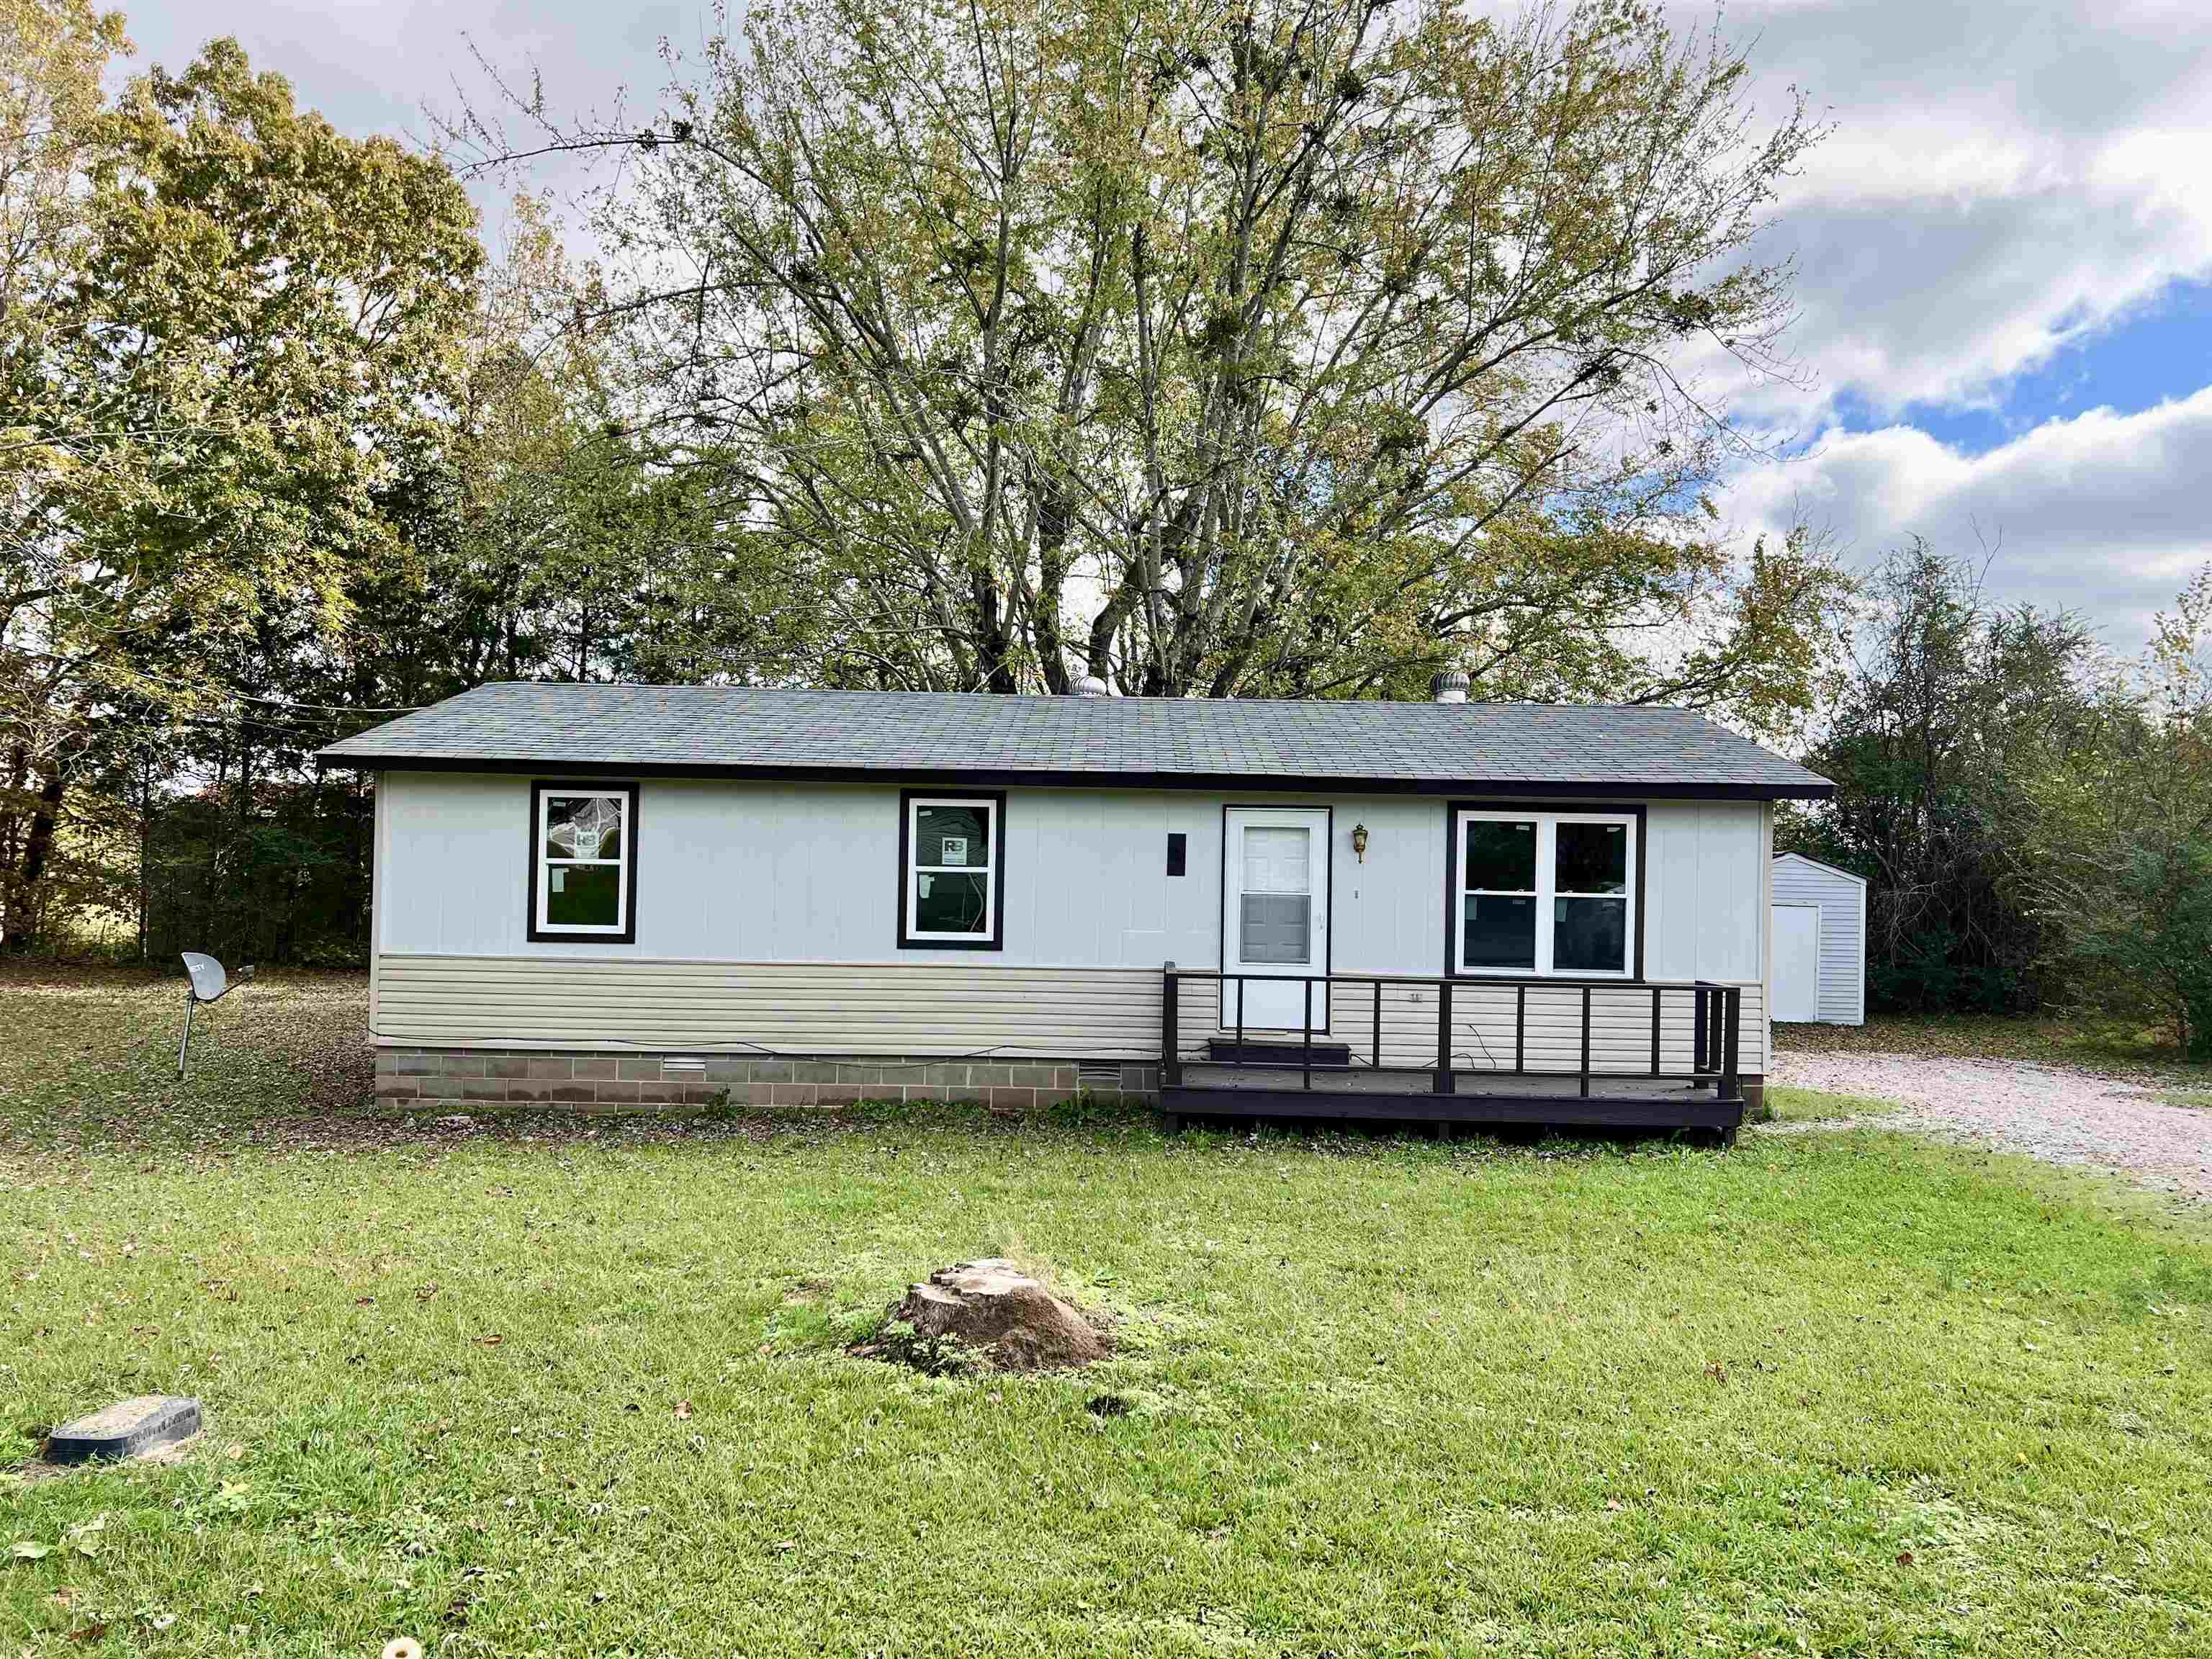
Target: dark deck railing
[(1715, 1028)]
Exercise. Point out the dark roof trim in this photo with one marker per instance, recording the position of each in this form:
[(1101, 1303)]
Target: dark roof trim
[(973, 778)]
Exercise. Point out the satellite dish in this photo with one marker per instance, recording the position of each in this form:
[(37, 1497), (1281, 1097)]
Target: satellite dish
[(209, 984), (209, 980)]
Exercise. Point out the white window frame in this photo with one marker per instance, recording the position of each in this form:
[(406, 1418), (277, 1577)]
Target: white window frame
[(910, 888), (547, 862), (1548, 824)]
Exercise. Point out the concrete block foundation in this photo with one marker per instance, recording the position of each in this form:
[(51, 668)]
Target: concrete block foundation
[(459, 1079)]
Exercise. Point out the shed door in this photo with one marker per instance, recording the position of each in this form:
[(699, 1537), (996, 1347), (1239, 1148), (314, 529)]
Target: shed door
[(1797, 962), (1274, 916)]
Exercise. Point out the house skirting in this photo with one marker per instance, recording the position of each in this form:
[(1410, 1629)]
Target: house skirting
[(598, 1080)]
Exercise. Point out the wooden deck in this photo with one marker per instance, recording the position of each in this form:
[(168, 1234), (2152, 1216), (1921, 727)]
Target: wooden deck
[(1625, 1072), (1484, 1098)]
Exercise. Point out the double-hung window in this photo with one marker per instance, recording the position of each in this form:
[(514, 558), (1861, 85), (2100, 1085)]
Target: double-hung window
[(1546, 893), (583, 861), (951, 871)]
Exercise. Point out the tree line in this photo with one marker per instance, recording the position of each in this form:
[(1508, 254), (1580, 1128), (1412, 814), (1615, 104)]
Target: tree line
[(1300, 348), (2034, 817)]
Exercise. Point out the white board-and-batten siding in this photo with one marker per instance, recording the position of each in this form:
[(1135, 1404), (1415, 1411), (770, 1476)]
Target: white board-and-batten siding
[(767, 917), (1841, 897)]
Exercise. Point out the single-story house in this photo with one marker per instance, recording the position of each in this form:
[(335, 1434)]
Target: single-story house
[(625, 895)]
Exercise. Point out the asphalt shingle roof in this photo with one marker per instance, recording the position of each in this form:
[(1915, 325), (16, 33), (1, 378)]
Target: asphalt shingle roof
[(1431, 748)]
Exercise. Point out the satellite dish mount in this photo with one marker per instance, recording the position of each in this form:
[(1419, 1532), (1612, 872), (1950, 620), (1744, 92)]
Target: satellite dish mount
[(209, 984)]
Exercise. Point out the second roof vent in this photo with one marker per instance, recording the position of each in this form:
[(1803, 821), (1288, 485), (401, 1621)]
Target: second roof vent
[(1449, 688), (1089, 686)]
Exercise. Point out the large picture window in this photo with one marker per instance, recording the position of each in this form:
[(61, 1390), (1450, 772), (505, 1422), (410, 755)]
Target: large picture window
[(583, 861), (951, 871), (1542, 892)]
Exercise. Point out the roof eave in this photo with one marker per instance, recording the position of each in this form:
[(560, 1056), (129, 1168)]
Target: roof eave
[(988, 777)]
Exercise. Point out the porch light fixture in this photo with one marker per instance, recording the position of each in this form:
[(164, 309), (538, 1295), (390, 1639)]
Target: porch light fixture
[(1359, 841)]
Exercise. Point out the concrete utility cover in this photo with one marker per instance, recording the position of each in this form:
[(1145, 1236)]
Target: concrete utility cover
[(129, 1428)]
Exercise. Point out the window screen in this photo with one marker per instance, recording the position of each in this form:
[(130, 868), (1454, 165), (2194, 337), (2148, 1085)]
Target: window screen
[(1275, 918), (582, 851), (949, 884), (1547, 893)]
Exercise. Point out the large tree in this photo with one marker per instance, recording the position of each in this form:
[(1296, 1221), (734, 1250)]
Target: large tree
[(237, 319), (1947, 715), (1281, 346), (2119, 849)]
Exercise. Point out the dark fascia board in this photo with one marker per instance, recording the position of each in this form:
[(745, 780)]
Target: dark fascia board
[(1211, 782)]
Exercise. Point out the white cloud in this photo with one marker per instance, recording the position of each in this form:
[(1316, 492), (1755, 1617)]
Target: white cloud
[(2001, 182), (2103, 512)]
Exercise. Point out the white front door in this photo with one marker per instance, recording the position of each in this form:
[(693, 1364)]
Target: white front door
[(1274, 920), (1796, 963)]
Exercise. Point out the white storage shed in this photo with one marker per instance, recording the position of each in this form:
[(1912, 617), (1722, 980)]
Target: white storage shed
[(1820, 942)]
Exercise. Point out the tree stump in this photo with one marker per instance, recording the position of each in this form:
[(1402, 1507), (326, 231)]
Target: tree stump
[(993, 1306)]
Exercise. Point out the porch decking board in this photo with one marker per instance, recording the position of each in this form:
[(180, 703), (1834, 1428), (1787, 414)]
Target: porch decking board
[(1208, 1090)]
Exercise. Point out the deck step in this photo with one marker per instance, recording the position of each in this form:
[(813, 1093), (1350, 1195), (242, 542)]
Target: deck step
[(1225, 1051)]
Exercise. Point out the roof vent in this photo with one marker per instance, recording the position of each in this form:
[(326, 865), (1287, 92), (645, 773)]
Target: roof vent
[(1089, 686), (1449, 688)]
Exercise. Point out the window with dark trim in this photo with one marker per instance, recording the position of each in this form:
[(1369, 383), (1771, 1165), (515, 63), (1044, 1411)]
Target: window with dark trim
[(952, 870), (1545, 892), (583, 862)]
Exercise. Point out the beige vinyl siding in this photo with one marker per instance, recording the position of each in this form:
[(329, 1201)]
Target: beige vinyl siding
[(1483, 1020), (915, 1008), (938, 1008)]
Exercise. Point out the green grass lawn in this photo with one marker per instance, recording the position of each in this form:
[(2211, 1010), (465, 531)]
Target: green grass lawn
[(1786, 1105), (579, 1387)]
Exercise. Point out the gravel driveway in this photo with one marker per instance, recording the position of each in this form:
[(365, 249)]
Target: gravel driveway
[(2050, 1112)]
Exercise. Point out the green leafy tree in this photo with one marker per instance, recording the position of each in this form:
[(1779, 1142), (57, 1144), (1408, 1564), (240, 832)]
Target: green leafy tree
[(246, 314), (2121, 857), (1302, 347), (1947, 711)]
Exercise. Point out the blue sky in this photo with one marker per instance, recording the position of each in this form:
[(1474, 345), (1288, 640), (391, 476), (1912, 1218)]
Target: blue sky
[(2003, 252), (2158, 353)]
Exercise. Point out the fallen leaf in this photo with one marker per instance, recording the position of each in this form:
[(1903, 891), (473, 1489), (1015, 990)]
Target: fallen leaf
[(491, 1341), (234, 1451), (86, 1633), (424, 1292), (29, 1549), (683, 1409), (1904, 1558), (364, 1302)]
